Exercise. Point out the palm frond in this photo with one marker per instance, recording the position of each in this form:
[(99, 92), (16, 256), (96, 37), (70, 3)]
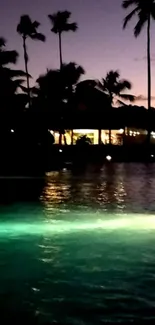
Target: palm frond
[(120, 102), (25, 25), (153, 11), (65, 14), (128, 3), (124, 85), (142, 20), (18, 73), (129, 17), (11, 73), (113, 75), (17, 84), (128, 97), (2, 42), (38, 37), (7, 57), (71, 27), (35, 24), (28, 28), (52, 17), (24, 89), (34, 90), (60, 22)]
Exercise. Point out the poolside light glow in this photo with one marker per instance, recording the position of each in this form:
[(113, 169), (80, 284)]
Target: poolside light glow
[(121, 131), (109, 158)]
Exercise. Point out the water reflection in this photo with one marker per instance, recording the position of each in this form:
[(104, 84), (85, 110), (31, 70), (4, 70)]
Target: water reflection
[(122, 187), (67, 252)]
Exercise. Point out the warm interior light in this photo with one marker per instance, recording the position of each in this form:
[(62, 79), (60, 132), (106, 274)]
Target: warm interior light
[(83, 131)]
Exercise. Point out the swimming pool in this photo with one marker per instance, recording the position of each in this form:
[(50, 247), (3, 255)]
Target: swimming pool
[(84, 252)]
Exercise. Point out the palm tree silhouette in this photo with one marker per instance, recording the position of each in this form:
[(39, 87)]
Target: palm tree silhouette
[(71, 74), (55, 90), (12, 101), (28, 29), (144, 10), (7, 74), (6, 57), (60, 23), (114, 87)]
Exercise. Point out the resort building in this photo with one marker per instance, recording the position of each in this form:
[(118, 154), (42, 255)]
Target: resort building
[(118, 137)]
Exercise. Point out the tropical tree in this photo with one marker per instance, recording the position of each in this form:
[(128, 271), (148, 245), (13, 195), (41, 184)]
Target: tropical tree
[(55, 90), (60, 23), (71, 74), (59, 84), (145, 11), (115, 87), (11, 82), (28, 29), (6, 57)]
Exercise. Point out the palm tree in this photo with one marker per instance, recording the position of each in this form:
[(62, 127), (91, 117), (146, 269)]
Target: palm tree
[(55, 90), (60, 23), (6, 57), (144, 10), (9, 76), (114, 87), (12, 101), (91, 97), (71, 74), (28, 29)]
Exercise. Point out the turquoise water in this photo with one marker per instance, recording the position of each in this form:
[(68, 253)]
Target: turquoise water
[(83, 252)]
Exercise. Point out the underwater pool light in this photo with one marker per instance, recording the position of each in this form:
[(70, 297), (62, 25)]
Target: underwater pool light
[(130, 222)]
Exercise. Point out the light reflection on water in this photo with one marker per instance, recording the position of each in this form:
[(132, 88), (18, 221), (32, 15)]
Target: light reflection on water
[(124, 187), (84, 253)]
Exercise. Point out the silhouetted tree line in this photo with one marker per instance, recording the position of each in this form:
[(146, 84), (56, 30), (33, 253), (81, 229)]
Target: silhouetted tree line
[(59, 100)]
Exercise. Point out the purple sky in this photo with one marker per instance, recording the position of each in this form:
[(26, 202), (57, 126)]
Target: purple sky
[(99, 45)]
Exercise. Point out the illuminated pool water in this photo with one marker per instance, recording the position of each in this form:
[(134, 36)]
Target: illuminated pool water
[(84, 253)]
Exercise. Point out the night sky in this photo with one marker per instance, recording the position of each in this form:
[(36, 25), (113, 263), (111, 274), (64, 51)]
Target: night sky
[(99, 45)]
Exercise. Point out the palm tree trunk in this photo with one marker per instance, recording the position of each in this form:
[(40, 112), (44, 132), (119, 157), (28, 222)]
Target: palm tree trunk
[(99, 137), (149, 78), (111, 101), (60, 138), (26, 69), (110, 136), (72, 135), (65, 140), (60, 50)]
